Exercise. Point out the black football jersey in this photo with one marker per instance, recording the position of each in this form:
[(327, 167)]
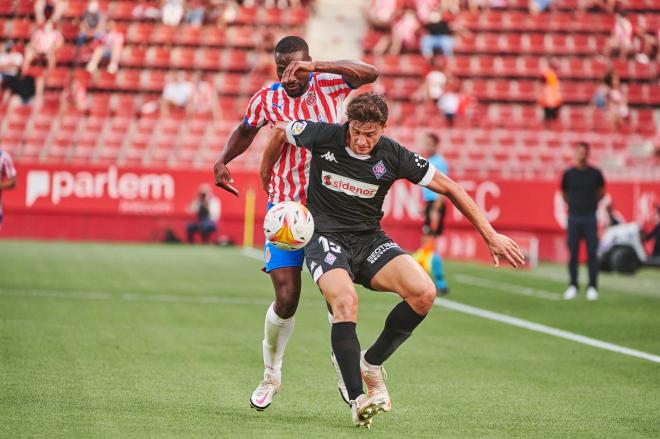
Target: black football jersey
[(346, 190)]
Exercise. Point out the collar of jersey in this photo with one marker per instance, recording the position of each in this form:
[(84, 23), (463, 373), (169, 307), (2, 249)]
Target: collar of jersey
[(357, 156)]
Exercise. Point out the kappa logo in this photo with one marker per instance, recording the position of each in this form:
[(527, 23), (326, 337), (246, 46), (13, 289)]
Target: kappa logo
[(420, 161), (329, 156), (379, 169), (354, 188)]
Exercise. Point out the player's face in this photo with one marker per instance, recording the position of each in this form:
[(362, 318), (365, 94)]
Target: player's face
[(282, 61), (363, 136)]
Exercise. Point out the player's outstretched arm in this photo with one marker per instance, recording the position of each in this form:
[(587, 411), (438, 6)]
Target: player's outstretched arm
[(273, 150), (239, 141), (498, 245), (355, 73)]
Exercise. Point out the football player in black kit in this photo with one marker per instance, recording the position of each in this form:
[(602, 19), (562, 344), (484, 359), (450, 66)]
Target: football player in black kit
[(353, 166)]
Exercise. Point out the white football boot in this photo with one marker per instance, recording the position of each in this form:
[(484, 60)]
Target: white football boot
[(340, 380), (570, 293), (264, 393), (363, 409), (374, 377), (592, 293)]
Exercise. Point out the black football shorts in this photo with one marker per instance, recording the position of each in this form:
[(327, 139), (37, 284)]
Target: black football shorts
[(361, 254)]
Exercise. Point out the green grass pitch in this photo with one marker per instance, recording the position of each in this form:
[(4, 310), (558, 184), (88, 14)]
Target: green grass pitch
[(109, 340)]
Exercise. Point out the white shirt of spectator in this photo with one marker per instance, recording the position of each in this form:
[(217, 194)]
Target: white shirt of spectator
[(178, 93), (435, 82), (10, 63)]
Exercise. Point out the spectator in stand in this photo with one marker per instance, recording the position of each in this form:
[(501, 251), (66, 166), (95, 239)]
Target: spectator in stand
[(206, 208), (172, 12), (450, 103), (550, 97), (441, 27), (44, 42), (74, 96), (204, 99), (380, 14), (403, 33), (11, 61), (433, 86), (582, 186), (654, 234), (92, 23), (177, 93), (50, 10), (609, 97), (646, 46), (107, 48), (195, 12), (145, 10), (538, 6), (23, 89), (621, 40), (7, 176)]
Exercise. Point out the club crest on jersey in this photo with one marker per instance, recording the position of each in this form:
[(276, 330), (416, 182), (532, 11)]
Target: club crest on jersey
[(311, 98), (298, 127), (330, 259), (379, 169)]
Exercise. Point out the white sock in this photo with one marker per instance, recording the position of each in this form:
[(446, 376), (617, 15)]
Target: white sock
[(276, 333)]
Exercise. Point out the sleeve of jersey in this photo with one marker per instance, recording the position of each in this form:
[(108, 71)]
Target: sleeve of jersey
[(332, 84), (255, 116), (415, 168), (302, 133)]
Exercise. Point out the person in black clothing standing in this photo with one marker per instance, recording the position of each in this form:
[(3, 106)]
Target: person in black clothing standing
[(583, 186)]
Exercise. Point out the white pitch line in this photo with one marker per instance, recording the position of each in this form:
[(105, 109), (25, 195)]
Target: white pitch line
[(506, 287), (525, 324), (514, 321)]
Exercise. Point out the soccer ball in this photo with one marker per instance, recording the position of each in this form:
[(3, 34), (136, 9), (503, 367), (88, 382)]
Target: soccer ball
[(289, 225)]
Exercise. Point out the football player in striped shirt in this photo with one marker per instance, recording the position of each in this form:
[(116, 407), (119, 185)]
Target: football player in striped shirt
[(308, 90)]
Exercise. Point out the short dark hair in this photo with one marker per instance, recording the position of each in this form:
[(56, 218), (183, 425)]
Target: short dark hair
[(291, 44), (584, 145), (434, 137), (367, 107)]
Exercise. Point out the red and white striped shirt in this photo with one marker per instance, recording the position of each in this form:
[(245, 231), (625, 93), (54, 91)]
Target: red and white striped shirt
[(323, 102), (7, 170), (46, 39)]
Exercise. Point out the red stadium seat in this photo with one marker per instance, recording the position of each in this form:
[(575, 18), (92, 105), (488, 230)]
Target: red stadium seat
[(272, 17), (295, 17), (153, 80), (134, 56), (236, 60), (209, 59), (189, 35), (158, 56), (139, 33), (213, 36), (163, 34), (247, 16), (75, 8), (21, 29), (183, 58), (241, 37), (122, 11)]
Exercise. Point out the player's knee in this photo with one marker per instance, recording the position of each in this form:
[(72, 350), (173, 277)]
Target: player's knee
[(422, 296), (286, 299), (345, 307)]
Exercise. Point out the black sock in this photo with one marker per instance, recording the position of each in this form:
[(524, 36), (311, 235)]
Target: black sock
[(398, 326), (346, 347)]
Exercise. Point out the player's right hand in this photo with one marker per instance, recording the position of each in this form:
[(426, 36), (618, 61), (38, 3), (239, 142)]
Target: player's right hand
[(502, 245), (223, 178)]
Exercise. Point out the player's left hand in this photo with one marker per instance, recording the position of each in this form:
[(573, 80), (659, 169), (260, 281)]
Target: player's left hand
[(297, 71), (502, 245)]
